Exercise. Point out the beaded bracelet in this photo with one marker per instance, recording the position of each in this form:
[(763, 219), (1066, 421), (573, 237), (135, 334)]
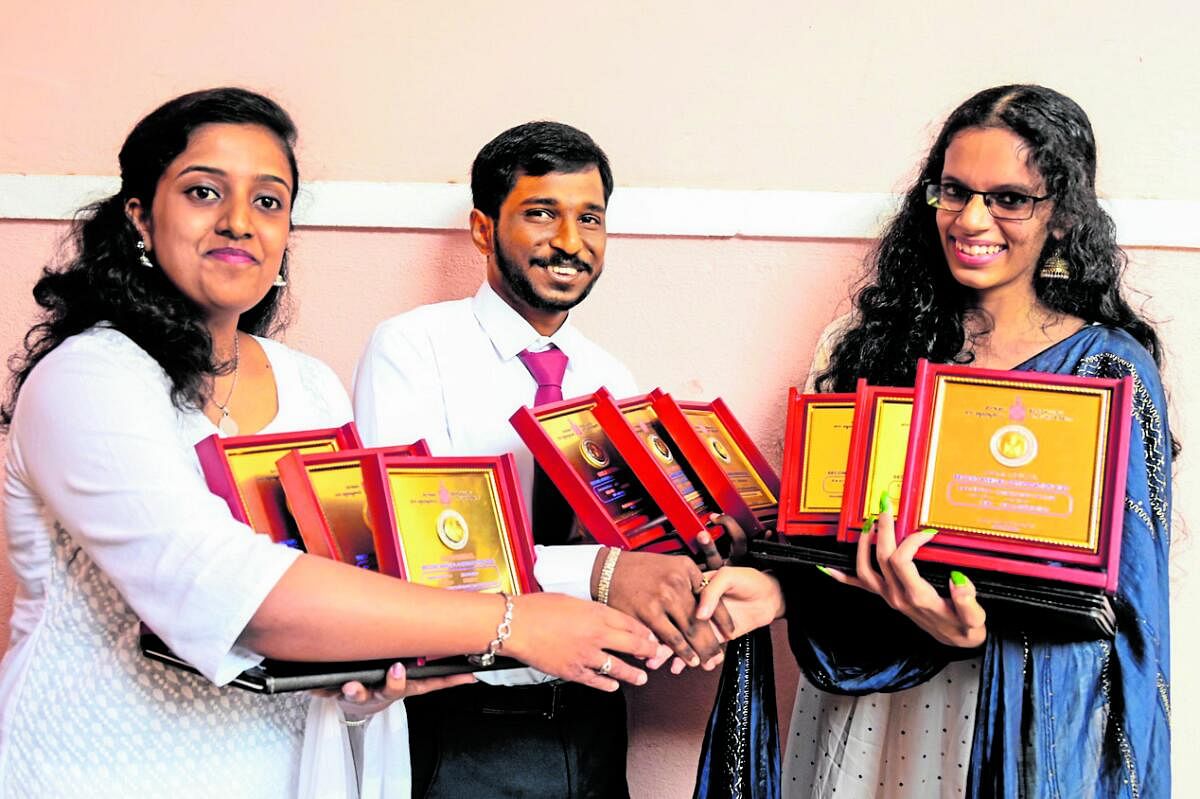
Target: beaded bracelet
[(606, 574)]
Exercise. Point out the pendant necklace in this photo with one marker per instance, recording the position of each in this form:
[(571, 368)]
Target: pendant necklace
[(227, 425)]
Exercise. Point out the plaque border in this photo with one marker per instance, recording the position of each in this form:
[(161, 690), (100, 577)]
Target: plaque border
[(1061, 564), (214, 462), (388, 547), (793, 521), (307, 509), (862, 442), (716, 482)]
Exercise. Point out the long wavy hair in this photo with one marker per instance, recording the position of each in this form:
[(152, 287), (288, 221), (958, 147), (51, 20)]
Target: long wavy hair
[(101, 280), (912, 307)]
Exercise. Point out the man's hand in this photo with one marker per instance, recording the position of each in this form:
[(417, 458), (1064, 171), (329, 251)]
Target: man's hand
[(713, 559), (660, 591)]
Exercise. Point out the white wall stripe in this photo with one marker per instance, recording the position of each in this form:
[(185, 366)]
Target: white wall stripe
[(640, 211)]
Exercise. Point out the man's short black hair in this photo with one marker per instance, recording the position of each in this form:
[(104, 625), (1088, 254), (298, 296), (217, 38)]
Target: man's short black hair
[(535, 148)]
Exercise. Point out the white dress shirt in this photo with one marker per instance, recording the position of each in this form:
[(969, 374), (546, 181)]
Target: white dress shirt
[(449, 373)]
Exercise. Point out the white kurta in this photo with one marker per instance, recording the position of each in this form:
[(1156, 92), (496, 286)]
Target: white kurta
[(109, 520)]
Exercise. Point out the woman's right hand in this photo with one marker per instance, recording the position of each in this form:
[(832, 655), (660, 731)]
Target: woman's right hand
[(754, 598), (575, 640)]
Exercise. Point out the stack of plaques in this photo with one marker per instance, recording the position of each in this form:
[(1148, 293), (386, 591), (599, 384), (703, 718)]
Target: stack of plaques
[(456, 523), (1022, 474), (648, 472)]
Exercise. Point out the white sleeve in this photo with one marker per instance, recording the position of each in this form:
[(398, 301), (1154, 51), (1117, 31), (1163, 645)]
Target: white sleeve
[(99, 444), (566, 569), (397, 391)]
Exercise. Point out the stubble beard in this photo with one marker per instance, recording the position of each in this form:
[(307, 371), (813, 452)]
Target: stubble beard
[(520, 285)]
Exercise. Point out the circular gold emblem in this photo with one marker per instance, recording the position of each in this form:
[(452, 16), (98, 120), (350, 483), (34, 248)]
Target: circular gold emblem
[(593, 453), (452, 529), (1014, 445), (660, 448), (719, 449)]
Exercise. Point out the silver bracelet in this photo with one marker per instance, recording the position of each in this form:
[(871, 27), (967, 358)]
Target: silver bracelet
[(606, 574), (503, 631)]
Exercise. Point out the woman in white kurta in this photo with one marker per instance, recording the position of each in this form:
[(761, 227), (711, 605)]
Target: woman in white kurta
[(145, 346)]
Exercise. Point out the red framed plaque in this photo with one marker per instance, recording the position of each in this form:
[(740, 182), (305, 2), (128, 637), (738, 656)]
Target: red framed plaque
[(726, 460), (456, 523), (325, 496), (242, 471), (575, 452), (816, 448), (636, 431), (1021, 472), (878, 446)]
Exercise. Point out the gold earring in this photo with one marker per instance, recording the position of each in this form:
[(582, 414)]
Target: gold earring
[(1056, 267)]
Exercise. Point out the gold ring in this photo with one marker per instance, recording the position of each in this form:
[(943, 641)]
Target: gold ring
[(606, 666), (703, 582)]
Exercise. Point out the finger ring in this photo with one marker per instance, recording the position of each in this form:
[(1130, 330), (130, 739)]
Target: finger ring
[(703, 582), (606, 666)]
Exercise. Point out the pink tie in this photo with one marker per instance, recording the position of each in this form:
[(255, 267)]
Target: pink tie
[(547, 368)]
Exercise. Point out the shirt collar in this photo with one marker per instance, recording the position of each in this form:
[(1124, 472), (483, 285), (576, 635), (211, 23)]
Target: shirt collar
[(510, 333)]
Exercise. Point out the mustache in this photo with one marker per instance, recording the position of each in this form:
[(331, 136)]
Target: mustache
[(560, 259)]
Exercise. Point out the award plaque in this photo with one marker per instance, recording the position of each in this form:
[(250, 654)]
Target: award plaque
[(242, 471), (728, 464), (816, 448), (575, 452), (325, 496), (878, 445), (456, 523), (635, 430), (1022, 473)]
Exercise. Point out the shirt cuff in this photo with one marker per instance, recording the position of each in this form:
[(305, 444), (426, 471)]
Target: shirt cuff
[(566, 569)]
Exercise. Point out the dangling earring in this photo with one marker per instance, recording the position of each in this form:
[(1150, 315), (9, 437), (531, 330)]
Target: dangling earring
[(1056, 267), (143, 259)]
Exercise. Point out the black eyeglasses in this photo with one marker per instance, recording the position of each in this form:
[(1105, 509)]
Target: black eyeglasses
[(1011, 205)]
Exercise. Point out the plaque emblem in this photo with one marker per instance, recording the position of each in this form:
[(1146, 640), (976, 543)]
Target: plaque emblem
[(452, 529), (660, 448), (1014, 445), (719, 449), (593, 453)]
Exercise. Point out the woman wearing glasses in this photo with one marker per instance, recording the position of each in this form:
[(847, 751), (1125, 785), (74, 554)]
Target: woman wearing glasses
[(1000, 257)]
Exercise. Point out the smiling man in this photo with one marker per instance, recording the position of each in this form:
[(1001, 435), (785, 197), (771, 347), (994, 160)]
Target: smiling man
[(453, 373)]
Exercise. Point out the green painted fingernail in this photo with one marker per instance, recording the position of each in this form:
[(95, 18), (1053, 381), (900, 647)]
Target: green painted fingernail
[(868, 523), (885, 502), (958, 578), (825, 571), (928, 530)]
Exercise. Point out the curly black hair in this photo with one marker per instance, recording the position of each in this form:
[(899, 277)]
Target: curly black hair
[(912, 307), (102, 281)]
